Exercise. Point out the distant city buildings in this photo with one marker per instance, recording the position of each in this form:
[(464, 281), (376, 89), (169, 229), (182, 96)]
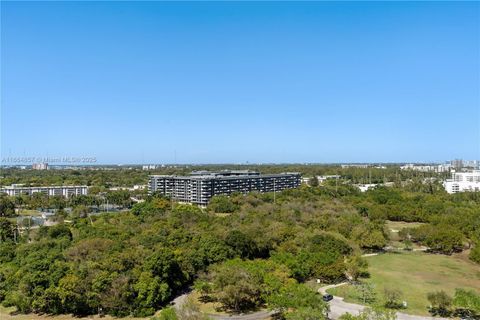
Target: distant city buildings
[(456, 164), (149, 167), (40, 166), (463, 181), (475, 164), (64, 191), (201, 186), (460, 163), (356, 165)]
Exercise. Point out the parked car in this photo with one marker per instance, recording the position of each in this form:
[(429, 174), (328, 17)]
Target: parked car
[(327, 297)]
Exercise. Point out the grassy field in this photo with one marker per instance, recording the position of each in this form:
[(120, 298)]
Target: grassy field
[(416, 274), (399, 225)]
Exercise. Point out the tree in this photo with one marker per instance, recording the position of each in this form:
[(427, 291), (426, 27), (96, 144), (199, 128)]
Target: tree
[(236, 288), (407, 245), (368, 236), (366, 292), (80, 211), (7, 230), (240, 285), (371, 314), (392, 298), (297, 301), (440, 302), (314, 181), (204, 287), (151, 293), (7, 207), (163, 264), (355, 267), (241, 244), (445, 239), (222, 204)]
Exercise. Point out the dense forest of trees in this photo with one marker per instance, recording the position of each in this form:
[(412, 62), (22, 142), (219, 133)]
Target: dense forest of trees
[(243, 251), (126, 176)]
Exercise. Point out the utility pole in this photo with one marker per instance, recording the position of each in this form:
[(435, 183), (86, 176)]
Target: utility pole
[(274, 191)]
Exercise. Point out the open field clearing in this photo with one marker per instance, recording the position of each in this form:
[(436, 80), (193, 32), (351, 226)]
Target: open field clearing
[(415, 274)]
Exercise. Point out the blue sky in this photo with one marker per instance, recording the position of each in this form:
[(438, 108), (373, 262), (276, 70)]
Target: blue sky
[(218, 82)]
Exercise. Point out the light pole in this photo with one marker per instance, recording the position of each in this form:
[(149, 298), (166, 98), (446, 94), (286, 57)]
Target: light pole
[(274, 191)]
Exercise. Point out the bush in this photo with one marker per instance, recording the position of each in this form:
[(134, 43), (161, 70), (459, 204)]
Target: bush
[(440, 303), (475, 253)]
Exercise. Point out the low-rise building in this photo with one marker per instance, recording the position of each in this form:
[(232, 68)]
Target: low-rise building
[(463, 181), (64, 191)]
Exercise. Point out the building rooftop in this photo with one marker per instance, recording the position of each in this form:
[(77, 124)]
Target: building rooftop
[(225, 174)]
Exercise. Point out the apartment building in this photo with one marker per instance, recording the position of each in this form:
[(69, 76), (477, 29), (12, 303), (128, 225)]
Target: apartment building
[(64, 191), (200, 186)]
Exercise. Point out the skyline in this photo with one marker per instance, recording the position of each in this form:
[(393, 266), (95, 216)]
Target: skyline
[(233, 82)]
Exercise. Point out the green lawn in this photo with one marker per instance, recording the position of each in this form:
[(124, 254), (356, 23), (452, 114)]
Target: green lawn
[(416, 274), (399, 225), (393, 228)]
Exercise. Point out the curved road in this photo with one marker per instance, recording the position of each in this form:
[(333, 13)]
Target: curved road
[(339, 307), (260, 315)]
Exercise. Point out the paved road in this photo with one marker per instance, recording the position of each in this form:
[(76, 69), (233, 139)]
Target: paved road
[(260, 315), (339, 307)]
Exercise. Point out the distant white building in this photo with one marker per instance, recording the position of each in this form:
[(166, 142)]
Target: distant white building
[(463, 181), (149, 167), (40, 166), (427, 168), (327, 177), (64, 191), (134, 188), (366, 187), (355, 165)]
